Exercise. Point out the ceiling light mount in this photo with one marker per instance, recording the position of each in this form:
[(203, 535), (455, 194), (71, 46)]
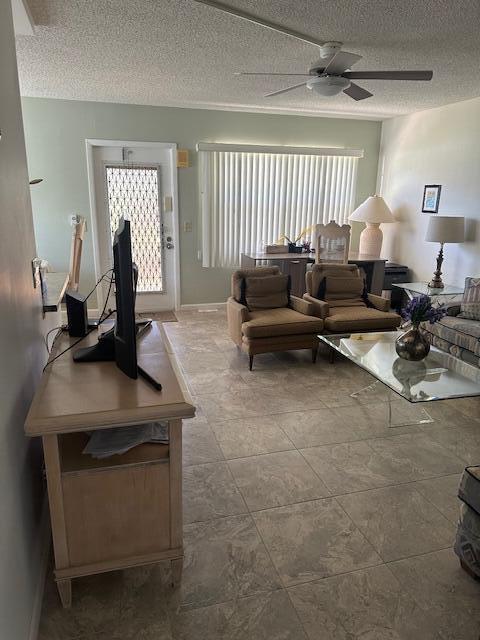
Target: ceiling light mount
[(329, 49), (328, 85)]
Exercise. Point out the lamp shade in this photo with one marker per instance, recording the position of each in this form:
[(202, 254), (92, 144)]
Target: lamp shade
[(373, 210), (446, 229)]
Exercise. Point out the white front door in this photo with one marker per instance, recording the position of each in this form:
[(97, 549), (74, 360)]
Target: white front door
[(138, 182)]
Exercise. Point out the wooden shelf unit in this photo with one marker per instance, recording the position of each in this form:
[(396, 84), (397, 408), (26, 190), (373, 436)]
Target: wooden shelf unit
[(125, 510)]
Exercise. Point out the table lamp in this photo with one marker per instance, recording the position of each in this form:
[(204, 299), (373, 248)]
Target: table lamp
[(444, 229), (373, 212)]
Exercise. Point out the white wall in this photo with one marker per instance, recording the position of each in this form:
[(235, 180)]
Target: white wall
[(438, 146), (22, 355)]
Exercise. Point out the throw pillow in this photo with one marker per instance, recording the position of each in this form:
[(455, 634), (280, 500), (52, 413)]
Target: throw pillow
[(470, 307), (269, 292), (338, 288)]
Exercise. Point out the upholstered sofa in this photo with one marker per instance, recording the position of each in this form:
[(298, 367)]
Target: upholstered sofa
[(458, 336), (262, 316), (458, 333), (467, 542)]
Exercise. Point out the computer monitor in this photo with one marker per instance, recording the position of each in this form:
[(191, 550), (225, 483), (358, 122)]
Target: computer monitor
[(120, 343)]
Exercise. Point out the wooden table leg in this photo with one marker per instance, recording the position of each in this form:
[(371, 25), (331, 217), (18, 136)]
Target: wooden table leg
[(176, 567), (467, 569), (176, 509), (65, 592), (57, 516)]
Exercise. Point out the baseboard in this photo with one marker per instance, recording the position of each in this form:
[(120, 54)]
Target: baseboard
[(94, 313), (201, 306), (44, 553)]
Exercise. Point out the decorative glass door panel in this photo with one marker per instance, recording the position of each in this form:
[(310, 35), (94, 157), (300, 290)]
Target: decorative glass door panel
[(133, 191), (138, 181)]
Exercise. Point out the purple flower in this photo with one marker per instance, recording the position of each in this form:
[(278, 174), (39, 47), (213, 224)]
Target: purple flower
[(420, 309)]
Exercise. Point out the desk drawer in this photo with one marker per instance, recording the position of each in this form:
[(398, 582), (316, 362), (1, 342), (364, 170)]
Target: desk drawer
[(117, 513)]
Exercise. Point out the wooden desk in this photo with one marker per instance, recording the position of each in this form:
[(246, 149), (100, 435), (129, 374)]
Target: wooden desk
[(295, 265), (291, 264), (374, 270), (125, 510)]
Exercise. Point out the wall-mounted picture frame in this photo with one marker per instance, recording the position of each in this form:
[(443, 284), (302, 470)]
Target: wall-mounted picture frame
[(431, 198)]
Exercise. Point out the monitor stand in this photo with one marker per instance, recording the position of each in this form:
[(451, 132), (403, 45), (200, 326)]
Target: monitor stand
[(104, 351)]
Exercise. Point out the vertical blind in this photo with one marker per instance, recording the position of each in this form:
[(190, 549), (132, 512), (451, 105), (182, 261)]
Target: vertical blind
[(251, 199)]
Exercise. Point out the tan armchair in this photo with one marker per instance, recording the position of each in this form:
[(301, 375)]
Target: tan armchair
[(336, 292), (261, 318)]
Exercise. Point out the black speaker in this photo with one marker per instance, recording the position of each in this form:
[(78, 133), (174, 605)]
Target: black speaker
[(76, 314)]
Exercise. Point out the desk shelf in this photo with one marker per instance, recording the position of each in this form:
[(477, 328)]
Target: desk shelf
[(54, 287), (72, 460)]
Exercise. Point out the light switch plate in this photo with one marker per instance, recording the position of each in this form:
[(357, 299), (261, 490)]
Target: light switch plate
[(36, 262)]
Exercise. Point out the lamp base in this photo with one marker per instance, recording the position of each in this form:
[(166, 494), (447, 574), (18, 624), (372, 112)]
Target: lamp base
[(436, 282), (371, 240)]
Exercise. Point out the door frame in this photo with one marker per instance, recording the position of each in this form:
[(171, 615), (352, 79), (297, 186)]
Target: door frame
[(90, 144)]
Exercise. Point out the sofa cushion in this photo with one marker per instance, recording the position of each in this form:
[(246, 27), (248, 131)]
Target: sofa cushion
[(356, 318), (470, 307), (280, 322), (269, 292), (457, 331)]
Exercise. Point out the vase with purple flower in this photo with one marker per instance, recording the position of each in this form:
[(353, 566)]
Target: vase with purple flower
[(412, 345)]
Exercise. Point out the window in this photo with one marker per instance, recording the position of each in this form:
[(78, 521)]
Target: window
[(251, 198), (133, 192)]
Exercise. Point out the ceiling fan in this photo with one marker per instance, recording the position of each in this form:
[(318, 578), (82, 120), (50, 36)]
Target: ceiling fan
[(330, 75)]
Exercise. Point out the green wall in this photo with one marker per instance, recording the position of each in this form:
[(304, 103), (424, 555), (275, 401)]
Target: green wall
[(55, 133)]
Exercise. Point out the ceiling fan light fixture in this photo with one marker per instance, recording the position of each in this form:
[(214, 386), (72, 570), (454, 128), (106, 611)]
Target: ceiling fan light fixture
[(328, 85)]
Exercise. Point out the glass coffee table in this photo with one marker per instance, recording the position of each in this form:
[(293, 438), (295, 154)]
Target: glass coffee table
[(439, 376)]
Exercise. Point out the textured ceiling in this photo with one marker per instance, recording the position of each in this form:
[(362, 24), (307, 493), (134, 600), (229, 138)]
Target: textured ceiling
[(177, 52)]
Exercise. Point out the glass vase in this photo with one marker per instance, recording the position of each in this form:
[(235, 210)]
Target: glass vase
[(412, 345)]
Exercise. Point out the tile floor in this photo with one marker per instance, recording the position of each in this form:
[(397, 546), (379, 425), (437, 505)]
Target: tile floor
[(306, 517)]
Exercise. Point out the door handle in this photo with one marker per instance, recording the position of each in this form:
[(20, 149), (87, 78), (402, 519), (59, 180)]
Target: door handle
[(170, 245)]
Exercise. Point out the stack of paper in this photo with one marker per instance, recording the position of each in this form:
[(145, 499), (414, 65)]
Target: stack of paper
[(110, 442)]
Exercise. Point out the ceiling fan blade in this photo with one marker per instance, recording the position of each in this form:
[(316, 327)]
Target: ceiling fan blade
[(389, 75), (258, 73), (238, 13), (340, 62), (357, 93), (277, 93)]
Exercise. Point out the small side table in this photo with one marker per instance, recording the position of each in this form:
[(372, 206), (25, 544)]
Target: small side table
[(448, 294)]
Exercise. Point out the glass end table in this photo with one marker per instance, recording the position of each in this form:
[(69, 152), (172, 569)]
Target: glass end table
[(412, 289)]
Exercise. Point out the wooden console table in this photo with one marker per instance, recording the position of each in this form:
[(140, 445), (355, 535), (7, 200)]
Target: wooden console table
[(125, 510), (295, 265)]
